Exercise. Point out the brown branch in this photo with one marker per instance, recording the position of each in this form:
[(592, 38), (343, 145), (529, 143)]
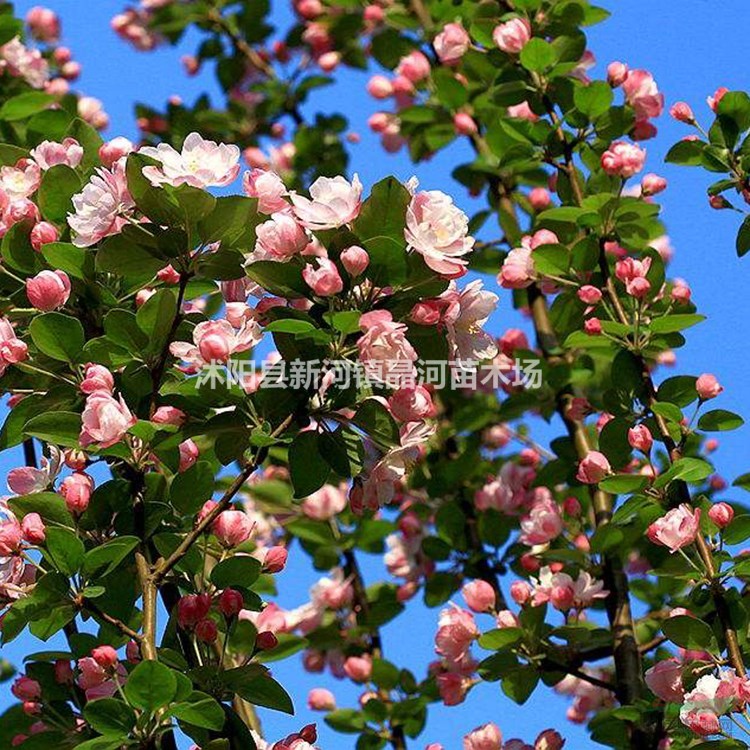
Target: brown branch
[(90, 606), (148, 592)]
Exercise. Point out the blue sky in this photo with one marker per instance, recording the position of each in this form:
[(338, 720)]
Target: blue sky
[(691, 50)]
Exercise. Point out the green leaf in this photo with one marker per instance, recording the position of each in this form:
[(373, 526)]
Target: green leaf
[(58, 336), (102, 560), (236, 572), (156, 318), (200, 710), (121, 327), (377, 422), (59, 184), (260, 691), (719, 420), (64, 549), (742, 243), (594, 99), (89, 139), (537, 55), (672, 323), (59, 428), (49, 505), (75, 261), (519, 684), (622, 484), (686, 469), (679, 390), (133, 252), (280, 279), (690, 633), (110, 717), (150, 686), (232, 222), (307, 466), (686, 153), (24, 105), (494, 640), (191, 488), (551, 260)]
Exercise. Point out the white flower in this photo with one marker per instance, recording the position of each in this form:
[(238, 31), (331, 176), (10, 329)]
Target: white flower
[(335, 202)]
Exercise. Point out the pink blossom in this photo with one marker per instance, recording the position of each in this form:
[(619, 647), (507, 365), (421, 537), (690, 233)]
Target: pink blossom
[(664, 680), (639, 437), (25, 63), (12, 349), (642, 94), (232, 527), (653, 184), (268, 188), (325, 503), (456, 632), (20, 181), (617, 72), (112, 151), (384, 348), (677, 529), (98, 682), (543, 523), (358, 668), (464, 318), (97, 378), (486, 737), (200, 163), (438, 230), (522, 111), (508, 492), (91, 110), (105, 420), (101, 209), (718, 95), (76, 490), (355, 260), (320, 699), (51, 153), (379, 87), (33, 528), (333, 202), (682, 112), (11, 535), (513, 35), (274, 559), (452, 687), (189, 453), (721, 514), (42, 234), (279, 238), (520, 592), (415, 66), (191, 609), (48, 290), (216, 341), (230, 603), (593, 468), (411, 404), (708, 387), (324, 279), (451, 44), (479, 596), (518, 269), (623, 159), (26, 689), (44, 24), (333, 592)]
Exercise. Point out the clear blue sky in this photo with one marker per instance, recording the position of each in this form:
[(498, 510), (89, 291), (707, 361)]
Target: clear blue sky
[(691, 50)]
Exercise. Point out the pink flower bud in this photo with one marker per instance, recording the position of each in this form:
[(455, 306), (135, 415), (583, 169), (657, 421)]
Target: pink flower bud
[(562, 597), (652, 184), (379, 87), (33, 529), (572, 507), (114, 150), (713, 101), (721, 514), (26, 689), (71, 70), (426, 313), (76, 490), (355, 260), (512, 36), (44, 24), (623, 159), (486, 737), (451, 44), (373, 14), (540, 198), (206, 631), (42, 234), (378, 122), (617, 72), (682, 112), (320, 699), (464, 124), (549, 739), (189, 453), (169, 415), (63, 672), (529, 562), (479, 595), (592, 326), (97, 379), (48, 290), (639, 437), (593, 468), (190, 64), (105, 656), (266, 641), (358, 668), (169, 275), (230, 603), (275, 559), (589, 294), (232, 527), (708, 387), (520, 592)]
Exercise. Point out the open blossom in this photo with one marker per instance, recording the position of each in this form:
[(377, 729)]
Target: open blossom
[(543, 523), (415, 66), (593, 468), (384, 348), (633, 274), (664, 680), (486, 737), (411, 404), (324, 503), (711, 697), (518, 267), (216, 341), (20, 181), (677, 528), (452, 43), (97, 681), (24, 62), (456, 632), (464, 318), (512, 36), (333, 202), (642, 94), (508, 492), (623, 159), (101, 209), (200, 163), (51, 153), (438, 230), (12, 349), (564, 592), (232, 527), (105, 420), (268, 188), (322, 276), (279, 238)]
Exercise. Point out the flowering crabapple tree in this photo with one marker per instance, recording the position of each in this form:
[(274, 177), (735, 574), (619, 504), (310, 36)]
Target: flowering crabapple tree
[(168, 474)]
